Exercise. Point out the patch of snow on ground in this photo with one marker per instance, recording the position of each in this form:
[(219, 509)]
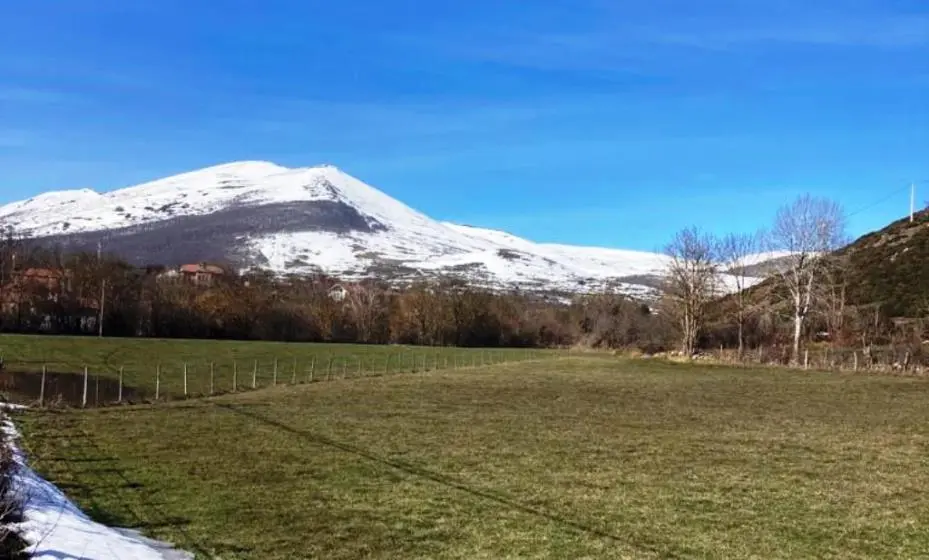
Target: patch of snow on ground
[(56, 529), (759, 258)]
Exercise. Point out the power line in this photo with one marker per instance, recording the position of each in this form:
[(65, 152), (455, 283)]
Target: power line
[(879, 202)]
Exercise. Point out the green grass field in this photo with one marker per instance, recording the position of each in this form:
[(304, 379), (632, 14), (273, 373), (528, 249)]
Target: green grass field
[(230, 361), (572, 458)]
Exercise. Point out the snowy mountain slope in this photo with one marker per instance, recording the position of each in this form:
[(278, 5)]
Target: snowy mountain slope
[(314, 219)]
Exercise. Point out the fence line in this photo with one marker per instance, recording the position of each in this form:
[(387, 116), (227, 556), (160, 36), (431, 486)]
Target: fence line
[(903, 359), (178, 380)]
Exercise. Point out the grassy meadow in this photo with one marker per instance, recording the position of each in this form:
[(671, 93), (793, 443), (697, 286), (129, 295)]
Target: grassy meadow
[(245, 363), (572, 458)]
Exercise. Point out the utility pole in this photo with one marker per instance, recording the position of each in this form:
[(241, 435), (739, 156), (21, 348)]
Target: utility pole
[(18, 286), (102, 304), (912, 202), (102, 301)]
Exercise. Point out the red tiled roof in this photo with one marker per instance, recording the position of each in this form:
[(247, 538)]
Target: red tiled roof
[(201, 269), (41, 273)]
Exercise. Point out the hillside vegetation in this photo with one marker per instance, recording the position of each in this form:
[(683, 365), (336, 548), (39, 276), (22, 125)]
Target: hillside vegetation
[(890, 267)]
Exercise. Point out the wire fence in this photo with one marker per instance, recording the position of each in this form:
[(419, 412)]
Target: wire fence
[(44, 386), (910, 359)]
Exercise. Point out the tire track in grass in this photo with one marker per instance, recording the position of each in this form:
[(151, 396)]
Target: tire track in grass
[(446, 481)]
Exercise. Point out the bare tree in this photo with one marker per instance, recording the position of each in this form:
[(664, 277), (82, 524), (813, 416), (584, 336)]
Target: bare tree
[(735, 250), (7, 250), (832, 295), (692, 281), (807, 229), (14, 257), (369, 312)]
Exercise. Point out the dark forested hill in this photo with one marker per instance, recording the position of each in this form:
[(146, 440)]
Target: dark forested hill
[(890, 267)]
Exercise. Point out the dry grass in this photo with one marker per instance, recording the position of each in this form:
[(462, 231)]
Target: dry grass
[(579, 458)]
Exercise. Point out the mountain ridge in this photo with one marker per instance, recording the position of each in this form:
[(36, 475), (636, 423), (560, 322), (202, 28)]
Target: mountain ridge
[(314, 219)]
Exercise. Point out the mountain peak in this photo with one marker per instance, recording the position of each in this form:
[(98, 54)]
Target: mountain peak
[(260, 167), (311, 219), (245, 167)]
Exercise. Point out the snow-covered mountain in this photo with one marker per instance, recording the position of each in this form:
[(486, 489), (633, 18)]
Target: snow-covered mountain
[(310, 220)]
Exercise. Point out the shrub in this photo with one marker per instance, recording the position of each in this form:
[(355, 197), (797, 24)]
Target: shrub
[(11, 510)]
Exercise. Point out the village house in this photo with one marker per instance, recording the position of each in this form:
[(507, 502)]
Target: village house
[(201, 274), (338, 293), (25, 285), (30, 291)]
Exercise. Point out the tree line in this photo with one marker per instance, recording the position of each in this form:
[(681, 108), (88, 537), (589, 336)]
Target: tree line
[(710, 297), (717, 293), (101, 294)]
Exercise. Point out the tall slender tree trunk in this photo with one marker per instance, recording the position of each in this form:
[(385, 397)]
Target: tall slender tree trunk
[(798, 328), (690, 335), (741, 337)]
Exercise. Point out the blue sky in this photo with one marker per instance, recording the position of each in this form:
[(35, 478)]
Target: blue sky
[(583, 121)]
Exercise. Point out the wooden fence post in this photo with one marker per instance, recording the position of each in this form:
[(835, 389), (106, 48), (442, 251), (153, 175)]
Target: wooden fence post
[(157, 381), (212, 377), (42, 388), (255, 375), (806, 359), (84, 395), (274, 375), (119, 397), (855, 361), (185, 379), (312, 368), (235, 375), (293, 380)]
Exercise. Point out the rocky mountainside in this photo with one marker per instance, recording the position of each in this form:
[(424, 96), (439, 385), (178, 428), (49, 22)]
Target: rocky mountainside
[(314, 219), (890, 268)]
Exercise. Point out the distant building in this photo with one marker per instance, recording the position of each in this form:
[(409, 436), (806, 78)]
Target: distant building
[(35, 293), (48, 278), (26, 285), (338, 293), (198, 274)]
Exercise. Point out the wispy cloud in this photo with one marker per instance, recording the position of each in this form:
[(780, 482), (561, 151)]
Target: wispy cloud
[(617, 43), (880, 31), (22, 94), (118, 73), (432, 118), (16, 138), (418, 119)]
